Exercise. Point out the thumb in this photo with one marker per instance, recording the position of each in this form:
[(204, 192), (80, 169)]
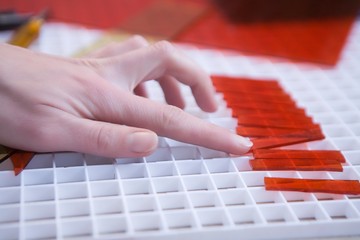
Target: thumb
[(108, 139)]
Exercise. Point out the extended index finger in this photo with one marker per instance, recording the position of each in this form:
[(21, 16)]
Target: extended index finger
[(170, 121)]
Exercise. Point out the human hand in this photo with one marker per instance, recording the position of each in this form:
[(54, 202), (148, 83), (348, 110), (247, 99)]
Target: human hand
[(87, 105)]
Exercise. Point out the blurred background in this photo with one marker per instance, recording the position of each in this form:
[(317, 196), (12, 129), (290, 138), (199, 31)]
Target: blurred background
[(299, 30)]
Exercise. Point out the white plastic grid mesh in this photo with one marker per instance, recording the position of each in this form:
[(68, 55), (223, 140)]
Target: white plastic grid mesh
[(185, 191)]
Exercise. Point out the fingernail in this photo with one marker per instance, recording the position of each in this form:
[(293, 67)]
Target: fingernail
[(245, 141), (142, 142)]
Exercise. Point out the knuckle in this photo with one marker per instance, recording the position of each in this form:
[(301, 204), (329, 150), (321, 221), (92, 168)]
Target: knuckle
[(165, 48), (139, 41)]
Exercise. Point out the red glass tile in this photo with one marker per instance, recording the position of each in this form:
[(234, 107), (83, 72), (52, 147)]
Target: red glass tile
[(299, 154), (272, 107), (239, 97), (313, 185), (220, 81), (20, 160), (274, 123), (273, 142), (278, 132), (277, 116), (303, 164)]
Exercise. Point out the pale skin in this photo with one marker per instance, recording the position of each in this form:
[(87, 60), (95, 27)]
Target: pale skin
[(88, 105)]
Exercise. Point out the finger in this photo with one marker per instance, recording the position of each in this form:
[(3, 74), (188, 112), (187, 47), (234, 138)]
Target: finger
[(171, 91), (163, 59), (107, 139), (170, 121), (118, 48)]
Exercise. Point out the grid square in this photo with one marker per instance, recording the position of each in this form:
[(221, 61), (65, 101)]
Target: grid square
[(340, 210), (37, 212), (97, 160), (180, 220), (173, 201), (335, 131), (72, 191), (227, 181), (245, 216), (9, 214), (350, 117), (308, 212), (111, 225), (8, 179), (108, 206), (214, 218), (192, 167), (162, 169), (10, 195), (70, 174), (39, 193), (40, 230), (355, 128), (253, 179), (129, 160), (10, 231), (149, 222), (135, 170), (38, 177), (137, 187), (242, 164), (101, 172), (41, 161), (207, 153), (74, 209), (279, 214), (198, 183), (161, 154), (326, 118), (76, 228), (222, 165), (167, 185), (295, 197), (185, 153), (136, 204), (347, 143), (261, 196), (68, 159), (204, 199), (104, 189), (236, 198)]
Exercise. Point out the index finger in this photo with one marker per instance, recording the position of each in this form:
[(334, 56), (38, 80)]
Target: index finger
[(172, 122)]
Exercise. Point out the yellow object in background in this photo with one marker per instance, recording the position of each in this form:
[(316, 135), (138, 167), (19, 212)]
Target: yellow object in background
[(26, 34)]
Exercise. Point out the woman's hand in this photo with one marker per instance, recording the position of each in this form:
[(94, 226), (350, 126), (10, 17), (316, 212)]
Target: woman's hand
[(88, 104)]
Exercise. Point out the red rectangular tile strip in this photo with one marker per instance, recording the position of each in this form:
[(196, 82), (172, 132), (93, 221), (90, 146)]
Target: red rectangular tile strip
[(299, 154), (274, 142), (303, 164), (266, 132), (313, 185)]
